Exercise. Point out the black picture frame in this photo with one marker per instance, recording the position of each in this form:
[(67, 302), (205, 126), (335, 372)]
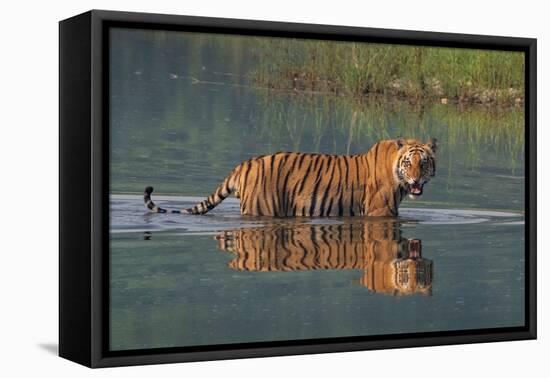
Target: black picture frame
[(84, 201)]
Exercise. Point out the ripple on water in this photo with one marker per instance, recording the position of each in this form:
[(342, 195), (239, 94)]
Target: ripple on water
[(128, 214)]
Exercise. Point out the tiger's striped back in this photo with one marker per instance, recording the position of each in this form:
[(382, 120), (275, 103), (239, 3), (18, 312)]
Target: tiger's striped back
[(301, 184)]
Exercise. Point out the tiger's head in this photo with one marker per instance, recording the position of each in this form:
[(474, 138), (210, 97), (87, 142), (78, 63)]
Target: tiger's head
[(415, 164)]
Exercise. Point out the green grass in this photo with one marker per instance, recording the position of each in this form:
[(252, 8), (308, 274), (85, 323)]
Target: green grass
[(462, 131), (412, 72)]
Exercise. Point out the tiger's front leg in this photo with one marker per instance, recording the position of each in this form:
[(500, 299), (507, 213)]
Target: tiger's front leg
[(382, 204)]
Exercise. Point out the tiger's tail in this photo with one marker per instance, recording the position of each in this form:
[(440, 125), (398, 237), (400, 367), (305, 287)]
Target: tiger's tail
[(151, 205), (221, 193)]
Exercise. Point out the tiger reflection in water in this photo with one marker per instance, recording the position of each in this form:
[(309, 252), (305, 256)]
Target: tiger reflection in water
[(390, 264)]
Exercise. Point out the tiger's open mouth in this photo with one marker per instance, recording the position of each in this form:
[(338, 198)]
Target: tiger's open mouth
[(415, 189), (415, 248)]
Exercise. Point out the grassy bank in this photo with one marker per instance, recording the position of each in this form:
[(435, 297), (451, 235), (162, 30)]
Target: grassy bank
[(415, 73)]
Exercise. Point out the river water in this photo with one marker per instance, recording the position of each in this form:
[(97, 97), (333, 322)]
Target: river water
[(184, 112)]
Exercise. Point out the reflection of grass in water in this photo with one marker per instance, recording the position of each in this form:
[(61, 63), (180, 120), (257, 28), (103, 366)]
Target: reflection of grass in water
[(463, 75), (466, 131)]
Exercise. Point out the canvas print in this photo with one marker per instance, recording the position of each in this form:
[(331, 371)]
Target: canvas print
[(278, 189)]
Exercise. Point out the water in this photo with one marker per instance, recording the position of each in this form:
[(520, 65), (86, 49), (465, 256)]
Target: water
[(181, 120)]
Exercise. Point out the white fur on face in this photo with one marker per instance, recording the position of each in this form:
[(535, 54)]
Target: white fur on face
[(413, 196)]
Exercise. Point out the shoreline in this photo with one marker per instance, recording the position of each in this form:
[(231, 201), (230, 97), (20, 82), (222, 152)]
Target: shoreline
[(501, 98)]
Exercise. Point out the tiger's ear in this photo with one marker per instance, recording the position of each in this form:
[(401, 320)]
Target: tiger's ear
[(399, 142), (432, 143)]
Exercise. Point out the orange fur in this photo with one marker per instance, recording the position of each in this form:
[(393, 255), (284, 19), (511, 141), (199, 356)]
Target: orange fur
[(305, 184), (375, 248)]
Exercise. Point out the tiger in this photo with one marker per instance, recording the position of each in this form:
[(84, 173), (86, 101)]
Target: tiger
[(296, 184), (390, 264)]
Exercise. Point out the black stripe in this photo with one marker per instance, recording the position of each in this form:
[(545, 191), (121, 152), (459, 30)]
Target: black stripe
[(302, 156), (271, 164), (255, 188), (324, 234), (221, 196), (276, 192), (282, 160), (375, 159), (339, 190), (284, 203), (327, 189), (263, 174), (314, 244), (329, 208), (340, 206), (284, 260), (316, 261), (264, 182), (347, 170), (340, 251), (270, 209), (316, 187), (245, 189), (308, 171), (304, 255)]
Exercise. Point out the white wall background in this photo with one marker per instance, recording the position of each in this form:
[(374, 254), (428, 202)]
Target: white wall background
[(29, 185)]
